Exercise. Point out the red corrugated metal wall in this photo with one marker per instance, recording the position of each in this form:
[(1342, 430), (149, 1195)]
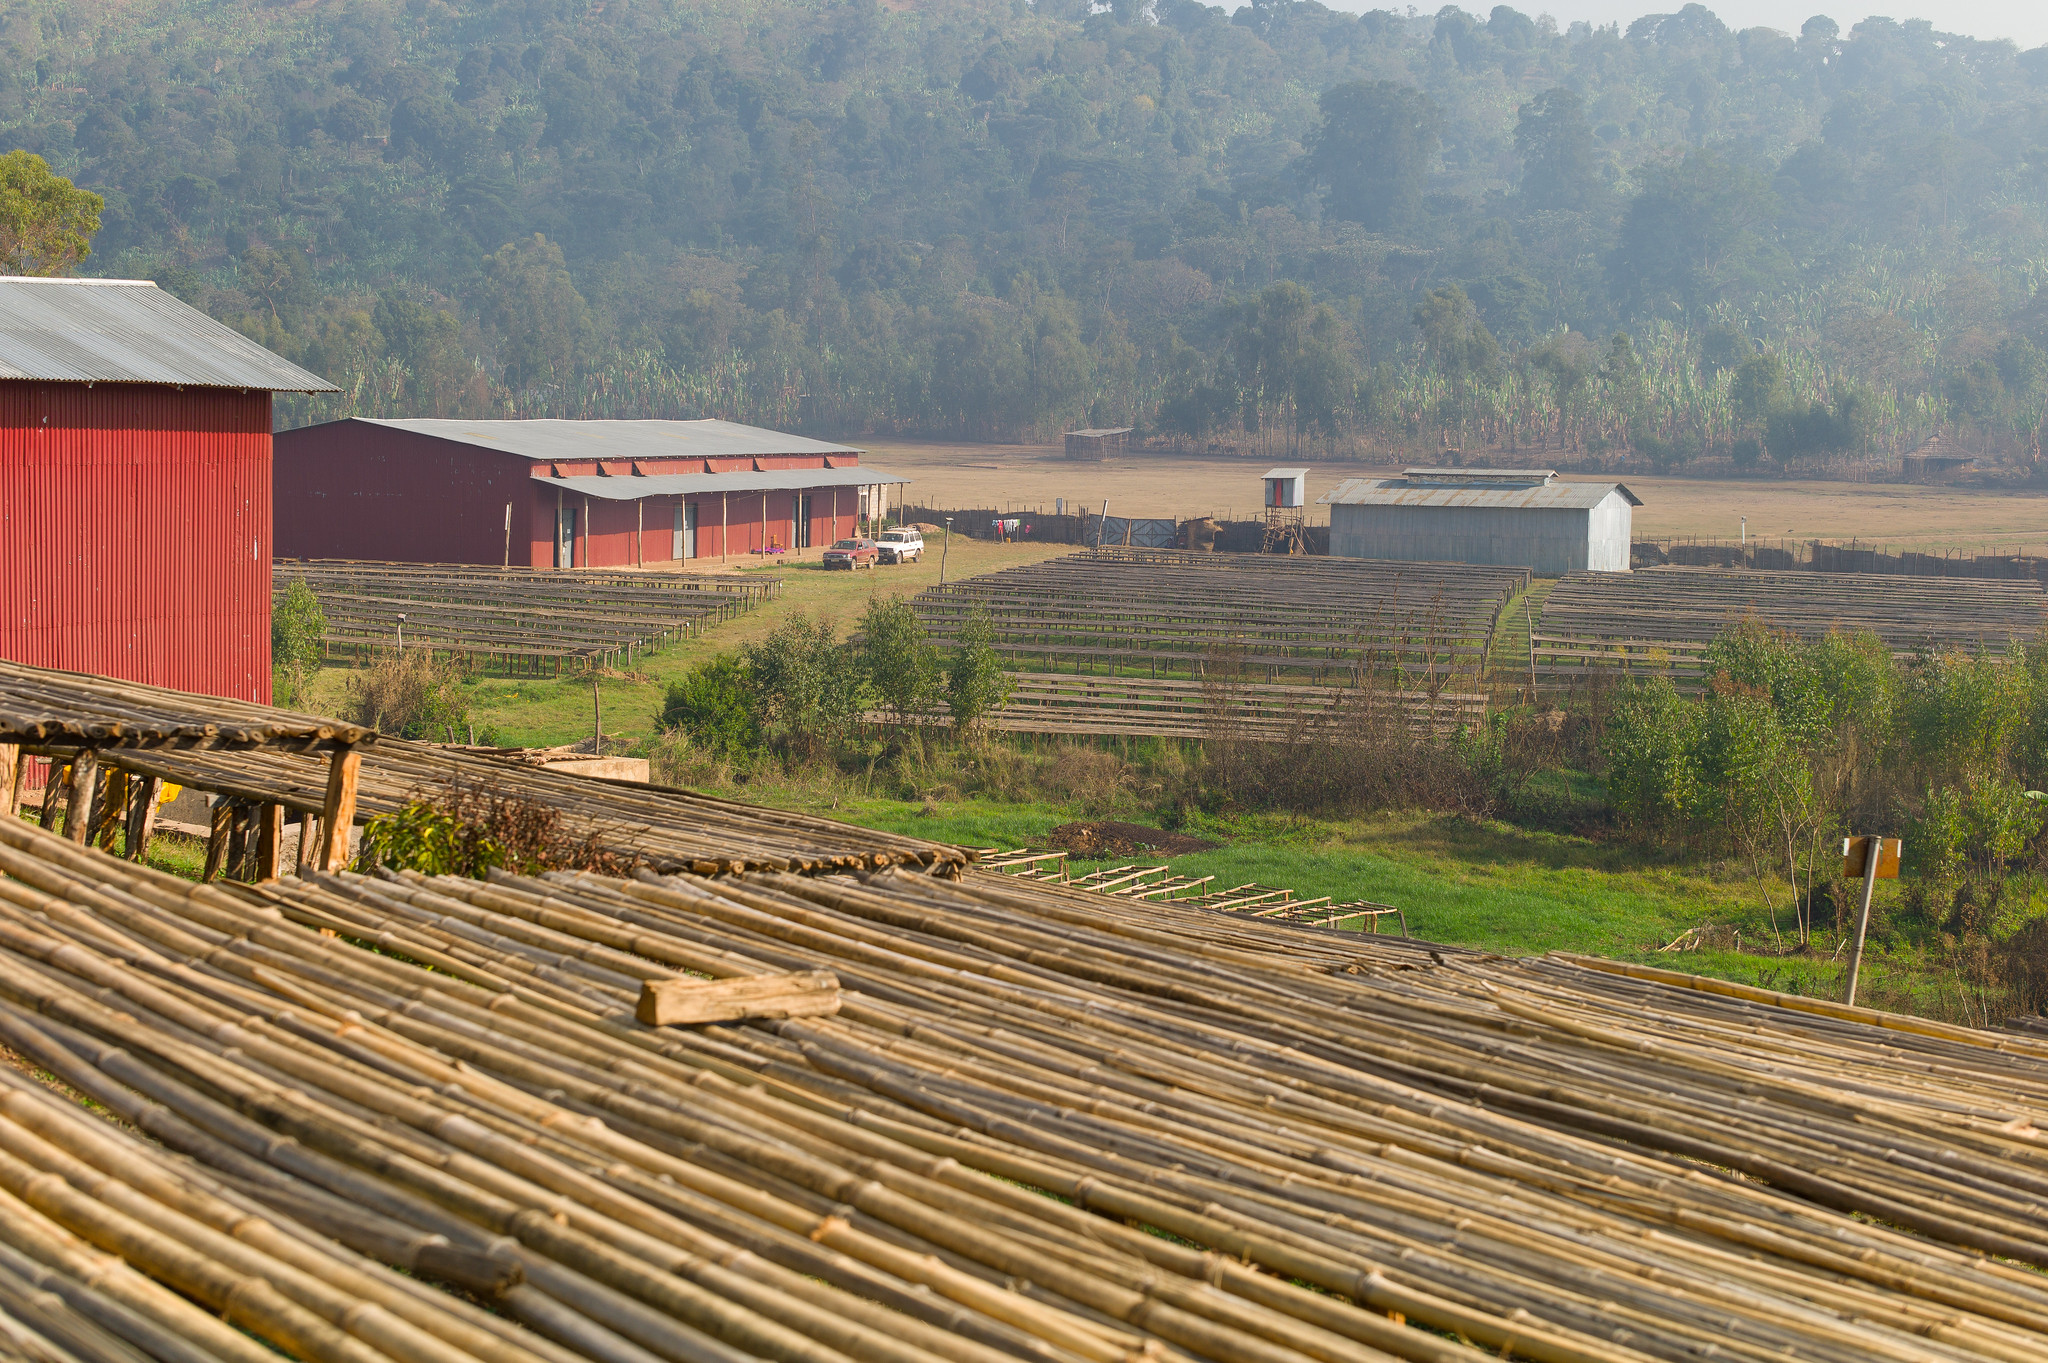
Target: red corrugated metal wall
[(352, 490), (135, 533)]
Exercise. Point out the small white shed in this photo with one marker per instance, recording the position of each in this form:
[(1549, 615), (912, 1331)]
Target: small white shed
[(1525, 518), (1286, 488)]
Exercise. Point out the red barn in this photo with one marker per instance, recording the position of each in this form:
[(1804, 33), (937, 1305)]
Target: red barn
[(135, 486), (562, 494)]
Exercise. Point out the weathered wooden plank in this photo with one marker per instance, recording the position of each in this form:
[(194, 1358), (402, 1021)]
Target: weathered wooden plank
[(686, 1002)]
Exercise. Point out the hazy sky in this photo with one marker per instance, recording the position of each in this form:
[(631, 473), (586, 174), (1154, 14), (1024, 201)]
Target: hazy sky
[(2023, 21)]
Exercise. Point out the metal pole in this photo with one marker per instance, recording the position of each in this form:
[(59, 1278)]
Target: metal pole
[(1102, 525), (401, 631), (1873, 848), (945, 545), (508, 534)]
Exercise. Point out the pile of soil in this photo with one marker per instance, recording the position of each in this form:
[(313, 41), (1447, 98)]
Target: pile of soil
[(1111, 839)]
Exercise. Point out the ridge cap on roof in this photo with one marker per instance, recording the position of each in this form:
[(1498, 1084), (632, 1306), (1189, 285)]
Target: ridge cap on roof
[(76, 279)]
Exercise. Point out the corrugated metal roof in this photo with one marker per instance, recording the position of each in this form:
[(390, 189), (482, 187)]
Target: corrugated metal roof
[(628, 489), (618, 439), (1287, 473), (130, 331), (1543, 495)]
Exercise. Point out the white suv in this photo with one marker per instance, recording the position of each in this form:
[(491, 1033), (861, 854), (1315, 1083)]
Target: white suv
[(902, 545)]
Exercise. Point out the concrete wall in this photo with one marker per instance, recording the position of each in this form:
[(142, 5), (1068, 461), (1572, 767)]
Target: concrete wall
[(1551, 541)]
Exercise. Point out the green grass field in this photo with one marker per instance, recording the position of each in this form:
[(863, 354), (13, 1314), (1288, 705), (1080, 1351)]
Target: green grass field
[(1465, 882)]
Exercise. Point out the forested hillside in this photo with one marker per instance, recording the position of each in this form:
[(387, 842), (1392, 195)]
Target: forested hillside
[(984, 218)]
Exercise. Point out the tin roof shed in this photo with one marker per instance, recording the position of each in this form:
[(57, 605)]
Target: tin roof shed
[(1511, 517)]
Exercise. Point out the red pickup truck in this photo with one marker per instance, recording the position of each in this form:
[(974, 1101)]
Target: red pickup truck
[(852, 554)]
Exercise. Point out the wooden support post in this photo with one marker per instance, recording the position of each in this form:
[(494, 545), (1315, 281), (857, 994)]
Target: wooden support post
[(307, 837), (53, 792), (109, 809), (85, 770), (11, 764), (142, 805), (508, 535), (338, 815), (222, 824), (724, 528), (269, 841), (640, 533), (241, 824)]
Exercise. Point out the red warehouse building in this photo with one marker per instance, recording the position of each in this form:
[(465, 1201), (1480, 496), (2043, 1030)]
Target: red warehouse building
[(562, 494), (135, 486)]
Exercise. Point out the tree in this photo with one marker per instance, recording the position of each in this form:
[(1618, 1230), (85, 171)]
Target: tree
[(542, 323), (46, 222), (902, 667), (297, 625), (976, 685), (1373, 149), (1458, 344), (1758, 388), (1291, 359), (1560, 166), (1691, 235)]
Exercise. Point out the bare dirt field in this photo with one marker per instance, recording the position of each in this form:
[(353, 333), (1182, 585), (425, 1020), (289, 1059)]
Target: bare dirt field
[(1031, 477)]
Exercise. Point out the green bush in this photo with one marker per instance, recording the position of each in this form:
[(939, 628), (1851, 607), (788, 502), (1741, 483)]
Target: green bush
[(297, 625), (902, 668), (976, 685), (716, 705), (1654, 782), (808, 685)]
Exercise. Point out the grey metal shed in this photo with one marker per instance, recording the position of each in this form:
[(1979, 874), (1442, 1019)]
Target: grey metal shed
[(1509, 517)]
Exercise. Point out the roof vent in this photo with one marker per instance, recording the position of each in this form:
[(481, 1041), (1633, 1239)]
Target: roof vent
[(1482, 477)]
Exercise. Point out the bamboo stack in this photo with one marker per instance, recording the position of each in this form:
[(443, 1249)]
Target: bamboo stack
[(667, 828), (1043, 1124), (40, 705)]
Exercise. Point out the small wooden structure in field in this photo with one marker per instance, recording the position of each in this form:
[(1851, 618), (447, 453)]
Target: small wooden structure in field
[(1094, 446)]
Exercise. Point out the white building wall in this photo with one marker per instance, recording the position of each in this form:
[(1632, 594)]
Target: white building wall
[(1609, 529), (1551, 541)]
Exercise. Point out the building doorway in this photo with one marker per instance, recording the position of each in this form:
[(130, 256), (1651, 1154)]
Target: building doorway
[(565, 537), (683, 542), (800, 516)]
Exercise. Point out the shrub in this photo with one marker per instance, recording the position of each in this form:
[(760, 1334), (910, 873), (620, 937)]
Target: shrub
[(410, 695), (901, 666), (716, 706), (976, 685), (465, 832), (808, 686), (1654, 781), (297, 625)]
